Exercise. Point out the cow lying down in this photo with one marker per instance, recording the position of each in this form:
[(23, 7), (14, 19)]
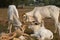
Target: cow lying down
[(41, 32)]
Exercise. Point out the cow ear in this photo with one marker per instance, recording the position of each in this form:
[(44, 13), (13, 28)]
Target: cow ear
[(25, 17)]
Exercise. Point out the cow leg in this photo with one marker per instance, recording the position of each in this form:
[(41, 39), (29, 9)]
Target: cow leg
[(56, 24), (9, 26)]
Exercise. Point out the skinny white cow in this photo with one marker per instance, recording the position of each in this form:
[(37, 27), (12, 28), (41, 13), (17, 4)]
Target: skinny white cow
[(41, 32), (39, 13), (13, 17)]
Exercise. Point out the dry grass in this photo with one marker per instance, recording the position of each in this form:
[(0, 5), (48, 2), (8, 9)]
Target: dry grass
[(3, 20)]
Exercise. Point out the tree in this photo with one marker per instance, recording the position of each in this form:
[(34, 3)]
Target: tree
[(57, 2), (5, 3), (46, 2)]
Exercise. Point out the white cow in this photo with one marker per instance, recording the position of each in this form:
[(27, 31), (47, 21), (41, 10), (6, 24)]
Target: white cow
[(41, 32), (39, 13), (13, 17)]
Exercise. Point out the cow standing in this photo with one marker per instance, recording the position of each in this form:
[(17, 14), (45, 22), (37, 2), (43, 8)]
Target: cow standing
[(13, 17), (39, 13)]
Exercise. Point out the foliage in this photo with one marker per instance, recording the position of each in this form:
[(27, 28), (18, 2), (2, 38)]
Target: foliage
[(5, 3), (3, 28)]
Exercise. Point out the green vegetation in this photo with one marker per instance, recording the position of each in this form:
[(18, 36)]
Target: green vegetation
[(3, 28), (5, 3)]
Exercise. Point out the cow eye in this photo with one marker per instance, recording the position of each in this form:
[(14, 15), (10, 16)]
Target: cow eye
[(33, 21)]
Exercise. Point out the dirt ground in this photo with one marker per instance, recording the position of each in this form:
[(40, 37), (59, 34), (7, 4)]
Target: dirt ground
[(49, 23)]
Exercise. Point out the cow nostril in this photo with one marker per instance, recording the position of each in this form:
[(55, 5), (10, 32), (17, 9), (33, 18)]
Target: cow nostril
[(36, 23)]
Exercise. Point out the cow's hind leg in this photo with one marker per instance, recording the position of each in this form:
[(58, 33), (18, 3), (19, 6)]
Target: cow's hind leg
[(9, 27), (56, 24)]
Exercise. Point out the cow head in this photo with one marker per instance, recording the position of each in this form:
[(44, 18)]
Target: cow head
[(29, 18)]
